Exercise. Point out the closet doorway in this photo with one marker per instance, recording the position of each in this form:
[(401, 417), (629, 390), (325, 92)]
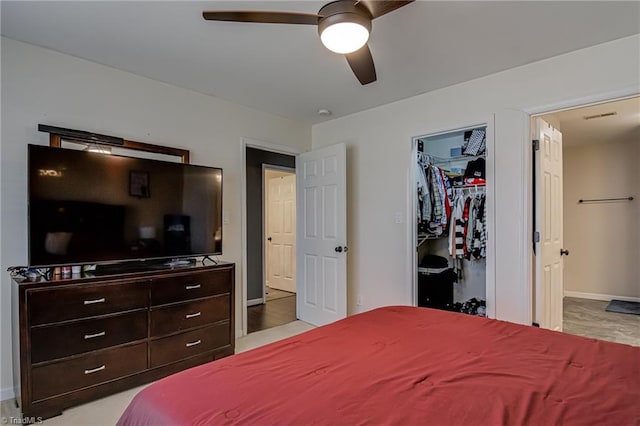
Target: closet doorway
[(264, 308), (279, 233), (453, 221), (596, 220), (321, 244)]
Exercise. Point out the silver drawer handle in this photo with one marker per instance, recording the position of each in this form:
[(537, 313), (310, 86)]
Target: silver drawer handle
[(197, 342), (90, 302), (191, 287), (197, 314), (95, 370), (91, 336)]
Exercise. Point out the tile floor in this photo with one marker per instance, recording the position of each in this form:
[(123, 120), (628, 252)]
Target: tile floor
[(588, 318)]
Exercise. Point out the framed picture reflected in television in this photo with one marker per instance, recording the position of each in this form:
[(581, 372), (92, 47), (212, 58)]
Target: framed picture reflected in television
[(139, 184)]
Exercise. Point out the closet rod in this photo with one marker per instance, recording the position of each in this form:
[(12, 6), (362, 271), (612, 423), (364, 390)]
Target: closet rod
[(606, 199), (475, 188)]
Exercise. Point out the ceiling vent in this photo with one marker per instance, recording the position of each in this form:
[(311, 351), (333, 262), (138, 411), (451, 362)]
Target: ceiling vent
[(606, 114)]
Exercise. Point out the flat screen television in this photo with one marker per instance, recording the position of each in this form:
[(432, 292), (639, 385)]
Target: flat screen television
[(93, 208)]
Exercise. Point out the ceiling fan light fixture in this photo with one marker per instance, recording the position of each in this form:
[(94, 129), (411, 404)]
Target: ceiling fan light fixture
[(344, 37), (344, 33), (343, 25)]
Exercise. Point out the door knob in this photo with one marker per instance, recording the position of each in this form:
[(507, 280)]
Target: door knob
[(346, 248), (269, 239), (564, 252), (339, 249)]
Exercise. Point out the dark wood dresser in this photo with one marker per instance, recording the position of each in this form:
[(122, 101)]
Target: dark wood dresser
[(79, 339)]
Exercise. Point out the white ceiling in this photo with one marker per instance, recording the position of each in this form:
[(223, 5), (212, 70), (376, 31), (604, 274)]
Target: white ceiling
[(284, 69), (624, 126)]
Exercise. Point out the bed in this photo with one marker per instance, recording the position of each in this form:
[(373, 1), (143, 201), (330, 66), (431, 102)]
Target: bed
[(406, 365)]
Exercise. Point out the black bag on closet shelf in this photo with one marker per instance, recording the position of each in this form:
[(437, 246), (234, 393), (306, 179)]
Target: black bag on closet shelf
[(434, 261), (475, 169)]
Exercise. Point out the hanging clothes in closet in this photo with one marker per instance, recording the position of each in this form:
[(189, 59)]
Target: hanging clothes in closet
[(434, 197), (468, 229), (452, 221)]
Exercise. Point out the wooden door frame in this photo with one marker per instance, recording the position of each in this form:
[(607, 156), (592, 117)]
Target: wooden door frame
[(266, 167), (246, 142)]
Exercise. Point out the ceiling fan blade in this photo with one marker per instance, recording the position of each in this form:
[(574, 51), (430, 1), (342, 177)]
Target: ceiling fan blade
[(262, 17), (377, 8), (361, 63)]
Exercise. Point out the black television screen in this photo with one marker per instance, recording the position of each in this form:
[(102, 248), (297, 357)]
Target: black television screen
[(87, 207)]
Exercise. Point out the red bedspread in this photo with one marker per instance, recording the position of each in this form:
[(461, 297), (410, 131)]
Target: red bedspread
[(404, 365)]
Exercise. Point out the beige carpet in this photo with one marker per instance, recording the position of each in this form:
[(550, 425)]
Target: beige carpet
[(107, 411)]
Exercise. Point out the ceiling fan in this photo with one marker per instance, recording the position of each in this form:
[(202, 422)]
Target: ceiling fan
[(343, 25)]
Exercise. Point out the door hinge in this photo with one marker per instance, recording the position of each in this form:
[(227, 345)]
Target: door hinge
[(536, 237), (536, 144)]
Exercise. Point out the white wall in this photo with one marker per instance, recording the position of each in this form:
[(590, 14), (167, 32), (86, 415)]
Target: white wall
[(602, 238), (379, 163), (43, 86)]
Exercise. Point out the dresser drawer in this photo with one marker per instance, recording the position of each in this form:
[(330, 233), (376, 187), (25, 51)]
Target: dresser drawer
[(58, 341), (178, 288), (80, 301), (88, 370), (172, 318), (189, 343)]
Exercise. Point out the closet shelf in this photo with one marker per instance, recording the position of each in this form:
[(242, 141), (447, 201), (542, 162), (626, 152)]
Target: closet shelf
[(441, 160), (424, 237), (479, 185)]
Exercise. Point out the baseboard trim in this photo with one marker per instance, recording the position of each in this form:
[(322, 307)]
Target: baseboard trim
[(255, 302), (598, 296), (6, 393)]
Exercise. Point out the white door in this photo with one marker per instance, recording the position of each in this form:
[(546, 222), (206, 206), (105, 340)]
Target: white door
[(549, 250), (322, 235), (281, 233)]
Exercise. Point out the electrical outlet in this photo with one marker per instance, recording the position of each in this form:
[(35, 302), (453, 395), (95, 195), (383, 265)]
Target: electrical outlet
[(398, 217)]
